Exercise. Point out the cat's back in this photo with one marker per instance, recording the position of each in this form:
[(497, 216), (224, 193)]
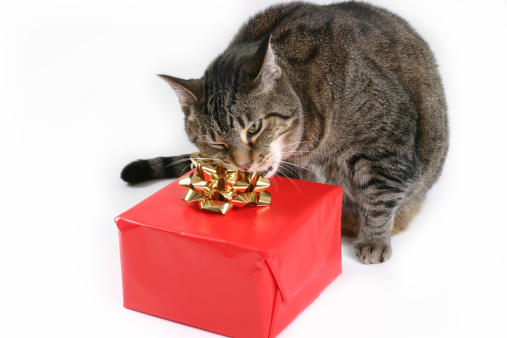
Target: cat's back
[(298, 23)]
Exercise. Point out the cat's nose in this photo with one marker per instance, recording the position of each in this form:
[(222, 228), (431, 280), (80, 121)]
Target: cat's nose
[(244, 166)]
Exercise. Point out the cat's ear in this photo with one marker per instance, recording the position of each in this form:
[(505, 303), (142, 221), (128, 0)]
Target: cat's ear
[(186, 90), (263, 68)]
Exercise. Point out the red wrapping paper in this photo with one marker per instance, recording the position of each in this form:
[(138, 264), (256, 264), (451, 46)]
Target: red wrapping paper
[(245, 274)]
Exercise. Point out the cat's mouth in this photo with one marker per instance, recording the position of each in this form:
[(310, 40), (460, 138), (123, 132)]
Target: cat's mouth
[(271, 169), (275, 158), (268, 172), (269, 166)]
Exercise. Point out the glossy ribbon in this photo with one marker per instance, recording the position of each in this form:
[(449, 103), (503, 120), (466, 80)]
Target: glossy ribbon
[(218, 189)]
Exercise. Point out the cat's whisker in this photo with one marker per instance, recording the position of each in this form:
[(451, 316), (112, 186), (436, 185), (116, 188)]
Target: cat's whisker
[(299, 166), (190, 164), (290, 144), (281, 172), (206, 158), (301, 151), (274, 183), (177, 161), (285, 166), (184, 168), (212, 160)]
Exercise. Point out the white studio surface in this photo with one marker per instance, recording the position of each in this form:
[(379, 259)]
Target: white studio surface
[(80, 99)]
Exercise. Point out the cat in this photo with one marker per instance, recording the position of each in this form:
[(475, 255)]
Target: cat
[(345, 94)]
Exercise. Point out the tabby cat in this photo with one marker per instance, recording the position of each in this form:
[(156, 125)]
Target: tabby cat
[(346, 94)]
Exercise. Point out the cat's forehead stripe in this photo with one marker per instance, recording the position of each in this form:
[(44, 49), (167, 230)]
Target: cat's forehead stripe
[(241, 121), (213, 135), (218, 108)]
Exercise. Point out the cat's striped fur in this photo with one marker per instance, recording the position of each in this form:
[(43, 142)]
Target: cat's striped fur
[(345, 94)]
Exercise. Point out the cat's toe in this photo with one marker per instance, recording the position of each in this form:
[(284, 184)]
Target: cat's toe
[(372, 252)]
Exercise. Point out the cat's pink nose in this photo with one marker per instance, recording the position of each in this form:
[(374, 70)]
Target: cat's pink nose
[(244, 166)]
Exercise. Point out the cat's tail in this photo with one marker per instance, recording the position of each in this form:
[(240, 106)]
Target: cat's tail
[(159, 167)]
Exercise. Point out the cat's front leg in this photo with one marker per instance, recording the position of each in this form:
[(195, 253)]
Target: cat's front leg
[(373, 244), (379, 201)]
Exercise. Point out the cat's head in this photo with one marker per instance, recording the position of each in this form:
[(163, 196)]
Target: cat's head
[(242, 113)]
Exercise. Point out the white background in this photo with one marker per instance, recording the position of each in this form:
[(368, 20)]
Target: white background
[(79, 99)]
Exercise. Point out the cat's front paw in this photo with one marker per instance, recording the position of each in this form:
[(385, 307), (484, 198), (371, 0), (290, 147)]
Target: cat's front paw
[(372, 252)]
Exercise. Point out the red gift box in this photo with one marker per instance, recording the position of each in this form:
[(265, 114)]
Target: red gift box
[(248, 273)]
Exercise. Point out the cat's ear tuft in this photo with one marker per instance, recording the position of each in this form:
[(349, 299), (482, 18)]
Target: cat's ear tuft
[(263, 68), (186, 90)]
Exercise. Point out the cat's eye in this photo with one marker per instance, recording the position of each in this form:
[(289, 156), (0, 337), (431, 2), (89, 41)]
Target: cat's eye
[(218, 145), (254, 129)]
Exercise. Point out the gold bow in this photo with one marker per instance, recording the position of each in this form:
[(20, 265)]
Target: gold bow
[(219, 189)]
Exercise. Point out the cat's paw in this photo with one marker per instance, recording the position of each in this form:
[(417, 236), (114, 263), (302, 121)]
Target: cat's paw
[(372, 252)]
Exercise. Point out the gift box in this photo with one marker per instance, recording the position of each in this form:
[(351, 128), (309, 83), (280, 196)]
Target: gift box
[(248, 273)]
